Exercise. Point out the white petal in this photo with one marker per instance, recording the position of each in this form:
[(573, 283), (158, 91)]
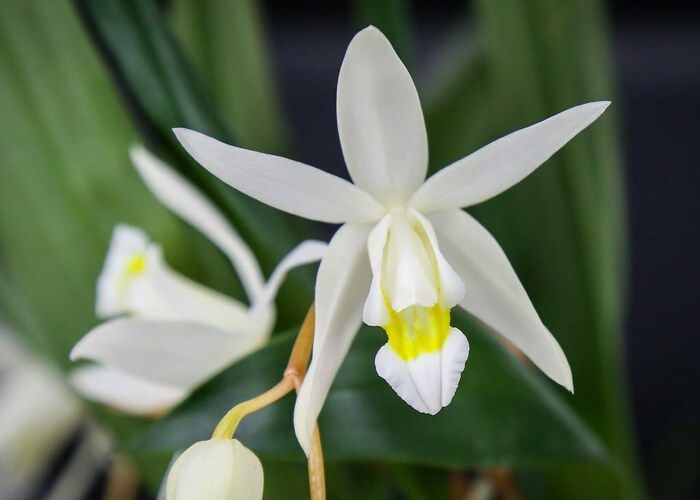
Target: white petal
[(503, 163), (307, 252), (408, 274), (494, 294), (125, 392), (180, 298), (136, 280), (375, 311), (176, 193), (451, 286), (217, 469), (126, 243), (178, 353), (341, 289), (428, 382), (281, 183), (380, 122)]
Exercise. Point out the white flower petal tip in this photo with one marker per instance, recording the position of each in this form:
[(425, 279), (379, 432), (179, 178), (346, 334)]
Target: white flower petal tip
[(380, 121), (281, 183), (429, 381), (183, 199), (217, 469), (503, 163), (133, 395), (126, 259), (177, 353)]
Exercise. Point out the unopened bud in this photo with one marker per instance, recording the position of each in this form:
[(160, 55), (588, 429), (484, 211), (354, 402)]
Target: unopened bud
[(217, 469)]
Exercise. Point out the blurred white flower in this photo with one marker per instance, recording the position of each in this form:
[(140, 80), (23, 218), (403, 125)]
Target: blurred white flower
[(217, 469), (173, 333), (407, 252)]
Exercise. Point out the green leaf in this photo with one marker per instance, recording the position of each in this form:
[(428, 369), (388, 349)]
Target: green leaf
[(503, 413), (224, 39), (65, 178)]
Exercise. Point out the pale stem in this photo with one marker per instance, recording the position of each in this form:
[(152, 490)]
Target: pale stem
[(292, 379)]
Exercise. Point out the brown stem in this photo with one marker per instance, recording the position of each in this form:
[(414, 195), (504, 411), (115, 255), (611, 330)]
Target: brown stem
[(317, 477)]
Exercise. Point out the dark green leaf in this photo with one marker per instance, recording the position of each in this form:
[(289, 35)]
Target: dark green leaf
[(502, 414), (225, 41)]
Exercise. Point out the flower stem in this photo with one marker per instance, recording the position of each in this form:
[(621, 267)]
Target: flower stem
[(317, 478), (227, 426), (291, 380)]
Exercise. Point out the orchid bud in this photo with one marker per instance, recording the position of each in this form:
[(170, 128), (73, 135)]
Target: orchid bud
[(217, 469)]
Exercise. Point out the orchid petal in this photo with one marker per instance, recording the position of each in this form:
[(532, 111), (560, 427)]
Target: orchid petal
[(429, 382), (127, 244), (187, 300), (177, 353), (281, 183), (380, 122), (375, 311), (409, 277), (307, 252), (494, 294), (341, 289), (125, 392), (504, 162), (176, 193)]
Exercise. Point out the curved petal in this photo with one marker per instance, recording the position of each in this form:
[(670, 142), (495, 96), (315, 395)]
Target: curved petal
[(124, 392), (177, 353), (493, 292), (503, 163), (429, 382), (281, 183), (306, 252), (341, 290), (186, 300), (380, 122), (176, 193)]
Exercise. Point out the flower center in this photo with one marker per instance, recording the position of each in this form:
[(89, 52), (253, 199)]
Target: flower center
[(417, 330), (413, 288)]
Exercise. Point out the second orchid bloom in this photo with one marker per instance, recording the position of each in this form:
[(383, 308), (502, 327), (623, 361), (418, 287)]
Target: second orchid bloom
[(406, 253), (169, 334)]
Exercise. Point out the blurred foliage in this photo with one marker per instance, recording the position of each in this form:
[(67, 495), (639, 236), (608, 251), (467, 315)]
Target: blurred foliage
[(66, 180)]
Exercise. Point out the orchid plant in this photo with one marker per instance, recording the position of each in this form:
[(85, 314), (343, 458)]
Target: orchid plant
[(406, 253), (458, 374)]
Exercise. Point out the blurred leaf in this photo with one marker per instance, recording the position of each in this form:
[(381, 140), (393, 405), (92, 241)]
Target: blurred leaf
[(65, 178), (225, 40), (392, 17), (502, 413), (563, 227), (164, 93)]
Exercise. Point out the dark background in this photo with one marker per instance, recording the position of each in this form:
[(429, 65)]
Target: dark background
[(657, 60)]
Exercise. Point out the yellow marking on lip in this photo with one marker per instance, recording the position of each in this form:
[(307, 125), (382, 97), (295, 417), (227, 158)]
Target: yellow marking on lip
[(417, 330), (136, 265)]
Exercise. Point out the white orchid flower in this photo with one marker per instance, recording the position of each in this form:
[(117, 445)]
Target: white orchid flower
[(407, 252), (173, 333), (216, 469)]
